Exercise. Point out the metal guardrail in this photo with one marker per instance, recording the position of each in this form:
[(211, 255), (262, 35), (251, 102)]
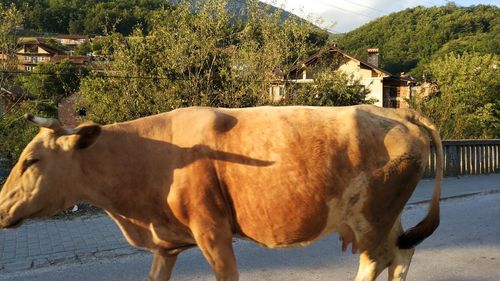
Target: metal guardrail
[(466, 157)]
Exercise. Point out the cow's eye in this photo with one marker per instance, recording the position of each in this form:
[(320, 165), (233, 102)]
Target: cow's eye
[(27, 163)]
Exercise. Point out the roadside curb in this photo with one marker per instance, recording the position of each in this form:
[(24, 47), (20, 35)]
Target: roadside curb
[(459, 196)]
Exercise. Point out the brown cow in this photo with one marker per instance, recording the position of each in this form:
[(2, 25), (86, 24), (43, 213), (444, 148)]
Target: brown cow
[(279, 176)]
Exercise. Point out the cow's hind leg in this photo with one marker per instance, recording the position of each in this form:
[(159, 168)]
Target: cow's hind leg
[(378, 254), (400, 265), (216, 245), (162, 266), (371, 264), (402, 257)]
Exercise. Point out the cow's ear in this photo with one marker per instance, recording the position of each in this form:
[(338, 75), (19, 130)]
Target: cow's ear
[(86, 136)]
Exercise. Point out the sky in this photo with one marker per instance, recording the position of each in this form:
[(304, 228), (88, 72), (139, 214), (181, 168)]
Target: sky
[(345, 15)]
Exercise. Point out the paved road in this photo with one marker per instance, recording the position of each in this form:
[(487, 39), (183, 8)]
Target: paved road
[(86, 248), (43, 243), (466, 247)]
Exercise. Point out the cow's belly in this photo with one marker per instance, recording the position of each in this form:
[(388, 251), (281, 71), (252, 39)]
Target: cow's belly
[(284, 233), (291, 219), (300, 226), (284, 221)]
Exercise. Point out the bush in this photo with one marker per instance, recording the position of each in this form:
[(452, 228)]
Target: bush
[(331, 88), (202, 59), (15, 132), (467, 102)]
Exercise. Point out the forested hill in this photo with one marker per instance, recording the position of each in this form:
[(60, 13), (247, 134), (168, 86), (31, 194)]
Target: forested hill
[(95, 17), (413, 37)]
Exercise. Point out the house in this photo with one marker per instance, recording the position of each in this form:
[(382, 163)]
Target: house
[(387, 89), (33, 51), (71, 40)]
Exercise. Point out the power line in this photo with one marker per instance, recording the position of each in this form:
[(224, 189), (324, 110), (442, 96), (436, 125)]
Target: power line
[(85, 75), (121, 76), (278, 80), (12, 106), (365, 6), (342, 9), (333, 30)]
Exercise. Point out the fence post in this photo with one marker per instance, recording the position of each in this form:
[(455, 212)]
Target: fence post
[(452, 161)]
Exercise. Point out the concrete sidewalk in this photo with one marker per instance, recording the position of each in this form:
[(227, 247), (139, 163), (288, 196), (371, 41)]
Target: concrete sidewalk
[(79, 240)]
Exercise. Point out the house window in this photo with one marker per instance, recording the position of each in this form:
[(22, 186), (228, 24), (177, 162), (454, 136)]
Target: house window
[(27, 58), (393, 92), (31, 49), (281, 91), (28, 68), (394, 104)]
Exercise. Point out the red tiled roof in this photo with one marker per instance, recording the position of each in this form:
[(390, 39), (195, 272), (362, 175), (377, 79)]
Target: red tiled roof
[(72, 36), (73, 59), (44, 45)]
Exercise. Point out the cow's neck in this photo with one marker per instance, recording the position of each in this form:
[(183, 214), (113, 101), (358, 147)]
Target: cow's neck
[(120, 174)]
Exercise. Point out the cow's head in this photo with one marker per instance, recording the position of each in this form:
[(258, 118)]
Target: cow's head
[(44, 180)]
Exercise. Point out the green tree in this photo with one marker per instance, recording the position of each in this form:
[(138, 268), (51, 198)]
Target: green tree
[(203, 58), (10, 19), (48, 84), (84, 48), (54, 81), (15, 132), (411, 38), (467, 103), (330, 88)]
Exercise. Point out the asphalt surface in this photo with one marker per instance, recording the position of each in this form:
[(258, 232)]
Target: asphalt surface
[(465, 247)]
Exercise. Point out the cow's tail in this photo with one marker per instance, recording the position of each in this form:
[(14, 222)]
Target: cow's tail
[(413, 236)]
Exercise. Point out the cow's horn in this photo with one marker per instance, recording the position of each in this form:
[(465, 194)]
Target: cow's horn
[(50, 123)]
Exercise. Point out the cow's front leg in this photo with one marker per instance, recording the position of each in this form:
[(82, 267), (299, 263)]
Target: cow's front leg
[(199, 203), (216, 246), (161, 268)]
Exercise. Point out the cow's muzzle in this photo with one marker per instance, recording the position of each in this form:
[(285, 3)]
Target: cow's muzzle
[(4, 223)]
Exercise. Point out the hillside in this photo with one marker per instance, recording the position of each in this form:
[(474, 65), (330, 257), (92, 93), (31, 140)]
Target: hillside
[(411, 38), (92, 17)]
